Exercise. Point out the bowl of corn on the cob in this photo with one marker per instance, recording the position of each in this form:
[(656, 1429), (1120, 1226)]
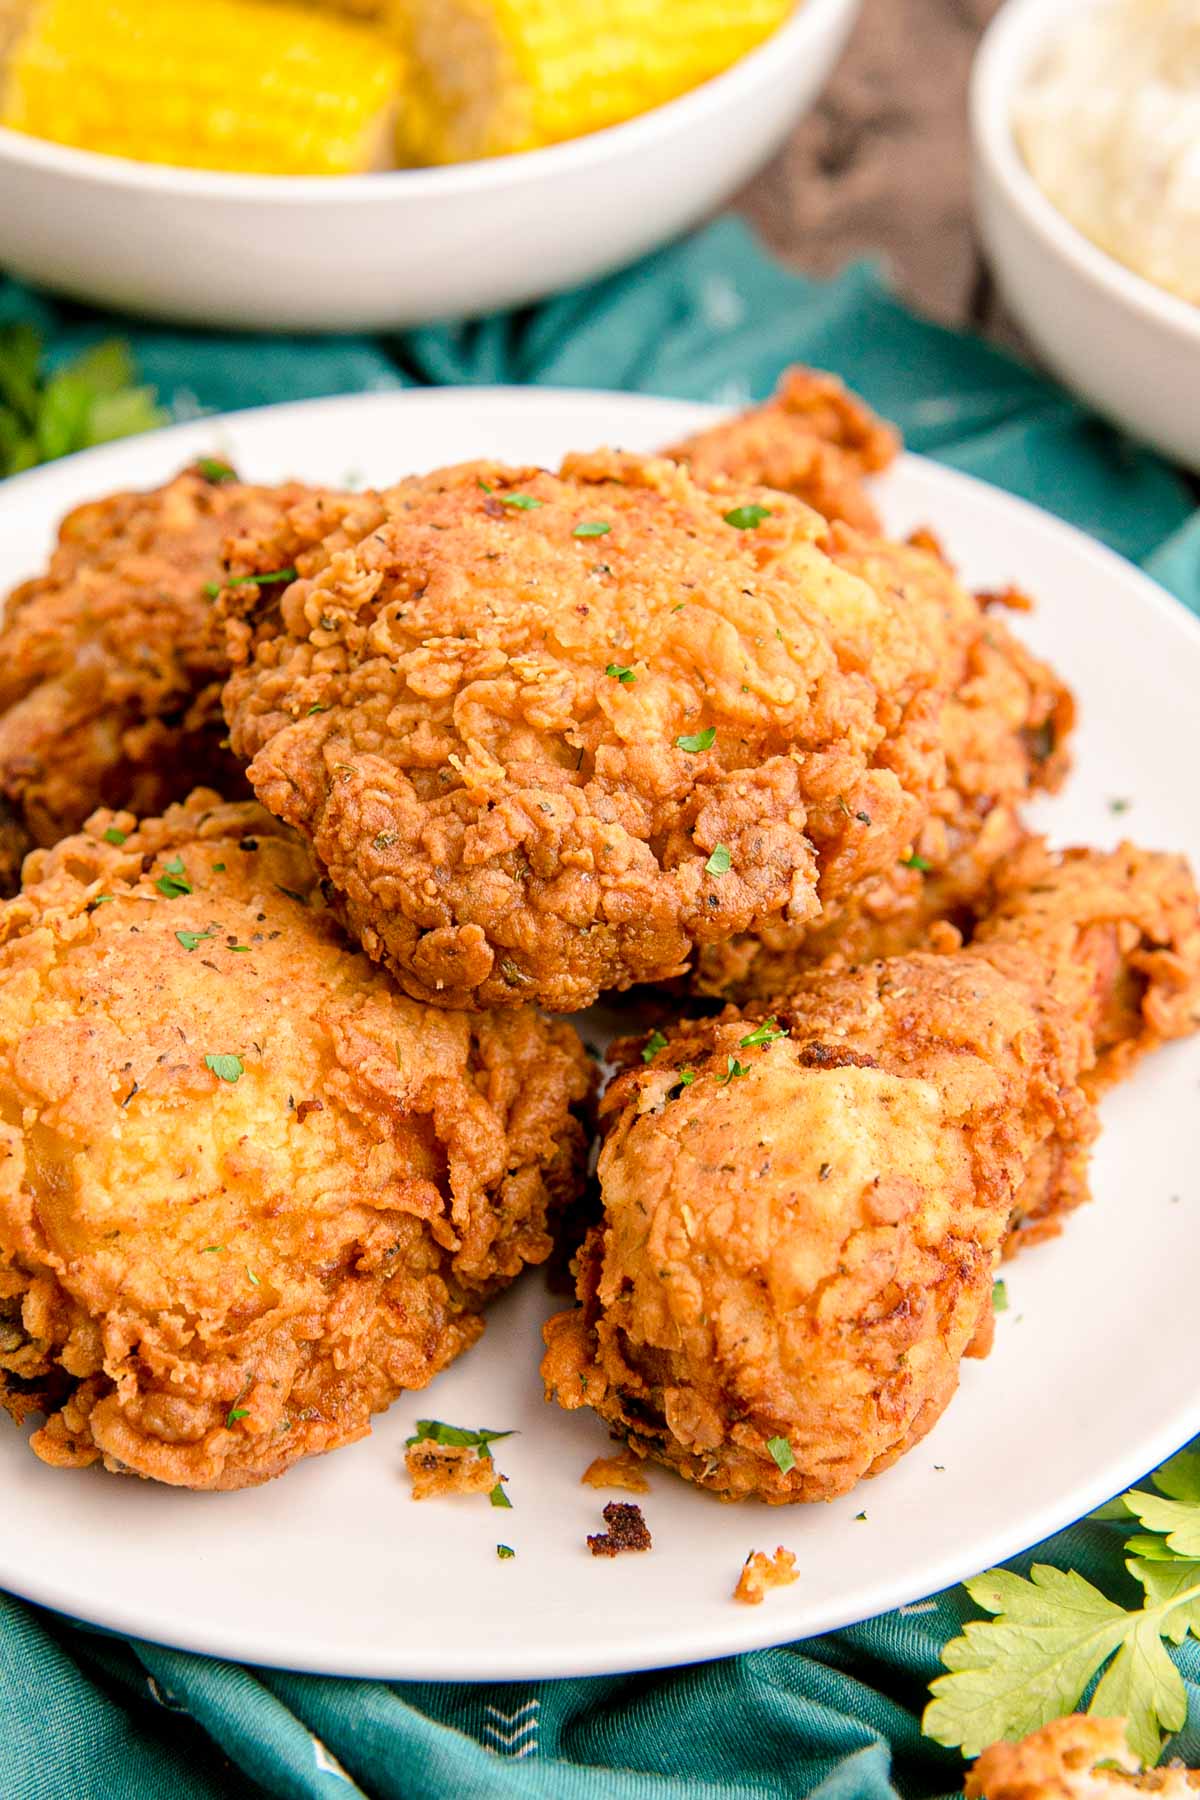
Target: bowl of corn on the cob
[(363, 164)]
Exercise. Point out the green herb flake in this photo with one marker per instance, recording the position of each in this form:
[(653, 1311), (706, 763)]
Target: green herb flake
[(319, 707), (498, 1497), (619, 672), (100, 900), (859, 1516), (719, 862), (999, 1296), (686, 1077), (252, 1277), (455, 1435), (113, 836), (212, 589), (769, 1032), (485, 485), (782, 1454), (591, 528), (292, 894), (920, 863), (214, 470), (218, 868), (189, 939), (225, 1068), (173, 881), (746, 518), (733, 1069), (505, 1552), (654, 1043), (270, 579), (520, 502), (1119, 805), (694, 742), (211, 1249), (236, 1413)]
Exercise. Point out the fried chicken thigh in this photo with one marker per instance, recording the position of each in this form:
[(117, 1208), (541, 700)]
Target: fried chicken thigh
[(804, 1208), (250, 1192), (111, 661), (546, 733)]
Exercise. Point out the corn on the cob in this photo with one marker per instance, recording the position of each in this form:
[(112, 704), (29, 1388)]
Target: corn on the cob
[(223, 84), (493, 76)]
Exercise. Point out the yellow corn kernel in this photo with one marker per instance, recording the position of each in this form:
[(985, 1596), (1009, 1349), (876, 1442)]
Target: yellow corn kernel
[(494, 76), (214, 84)]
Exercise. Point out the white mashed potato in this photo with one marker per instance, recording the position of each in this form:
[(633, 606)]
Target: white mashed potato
[(1109, 124)]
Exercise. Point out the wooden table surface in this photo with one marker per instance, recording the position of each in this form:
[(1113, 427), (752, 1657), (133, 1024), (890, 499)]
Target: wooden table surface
[(881, 167)]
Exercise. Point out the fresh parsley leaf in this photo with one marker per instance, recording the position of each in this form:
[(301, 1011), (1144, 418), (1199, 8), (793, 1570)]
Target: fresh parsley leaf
[(173, 881), (212, 589), (235, 1413), (686, 1077), (999, 1296), (654, 1043), (591, 528), (620, 673), (225, 1068), (733, 1068), (783, 1454), (505, 1552), (274, 575), (211, 1249), (719, 862), (114, 836), (189, 939), (916, 862), (213, 469), (695, 741), (498, 1497), (320, 706), (522, 502), (485, 485), (747, 517), (769, 1032), (455, 1435), (253, 1278), (90, 400), (100, 900)]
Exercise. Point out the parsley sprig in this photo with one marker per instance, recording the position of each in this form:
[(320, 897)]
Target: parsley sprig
[(44, 413), (480, 1441), (1052, 1634)]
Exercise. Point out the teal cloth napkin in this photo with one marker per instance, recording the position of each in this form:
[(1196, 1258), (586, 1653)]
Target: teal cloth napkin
[(86, 1716)]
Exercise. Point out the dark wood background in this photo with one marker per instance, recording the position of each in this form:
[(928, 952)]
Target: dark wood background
[(881, 166)]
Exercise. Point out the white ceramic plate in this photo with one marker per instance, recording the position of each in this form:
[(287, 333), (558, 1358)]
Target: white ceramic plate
[(370, 252), (1092, 1380)]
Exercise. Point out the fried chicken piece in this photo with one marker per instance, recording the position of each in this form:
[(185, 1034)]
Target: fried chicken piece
[(813, 439), (546, 733), (111, 660), (250, 1191), (804, 1209), (1004, 725), (1077, 1758)]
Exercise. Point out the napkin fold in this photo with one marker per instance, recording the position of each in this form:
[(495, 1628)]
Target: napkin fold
[(88, 1716)]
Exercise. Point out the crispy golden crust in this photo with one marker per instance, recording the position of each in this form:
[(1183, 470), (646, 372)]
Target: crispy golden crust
[(111, 661), (501, 819), (621, 1471), (805, 1205), (1004, 724), (1059, 1762), (812, 439), (760, 1573), (440, 1470), (291, 1237)]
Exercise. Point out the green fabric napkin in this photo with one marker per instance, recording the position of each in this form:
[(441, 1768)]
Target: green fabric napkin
[(86, 1716)]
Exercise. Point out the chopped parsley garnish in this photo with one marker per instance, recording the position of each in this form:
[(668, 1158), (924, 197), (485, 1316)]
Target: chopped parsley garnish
[(292, 894), (999, 1296), (591, 528), (485, 485), (920, 863), (212, 589), (214, 470), (859, 1516), (218, 868), (767, 1033), (253, 1278), (113, 836), (189, 939), (236, 1413), (99, 900), (719, 862), (1118, 805), (460, 1438), (505, 1552), (522, 502), (273, 575), (319, 707), (239, 949), (498, 1497), (225, 1068), (173, 881), (747, 517), (686, 1077), (620, 673), (654, 1043), (782, 1454), (733, 1068), (695, 741), (211, 1249)]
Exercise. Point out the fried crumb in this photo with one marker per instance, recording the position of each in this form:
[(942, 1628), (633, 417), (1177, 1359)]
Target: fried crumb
[(760, 1572), (623, 1471), (441, 1469), (627, 1530)]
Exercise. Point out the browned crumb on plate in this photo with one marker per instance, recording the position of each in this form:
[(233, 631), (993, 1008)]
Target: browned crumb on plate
[(627, 1530), (440, 1469), (623, 1471), (760, 1572)]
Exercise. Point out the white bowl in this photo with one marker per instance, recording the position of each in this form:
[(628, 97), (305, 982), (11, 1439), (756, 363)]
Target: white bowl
[(369, 252), (1127, 346)]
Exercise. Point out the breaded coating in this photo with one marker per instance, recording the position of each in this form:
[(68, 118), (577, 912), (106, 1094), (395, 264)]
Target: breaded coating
[(813, 439), (621, 1471), (1004, 725), (111, 660), (250, 1191), (1077, 1758), (546, 733), (438, 1470), (627, 1530), (804, 1208), (761, 1572)]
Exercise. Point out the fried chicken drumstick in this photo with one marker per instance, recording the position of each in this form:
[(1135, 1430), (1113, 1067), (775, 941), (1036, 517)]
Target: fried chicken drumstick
[(249, 1192), (804, 1208)]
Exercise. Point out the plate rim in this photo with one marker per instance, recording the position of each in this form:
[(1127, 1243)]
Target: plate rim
[(672, 1646)]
